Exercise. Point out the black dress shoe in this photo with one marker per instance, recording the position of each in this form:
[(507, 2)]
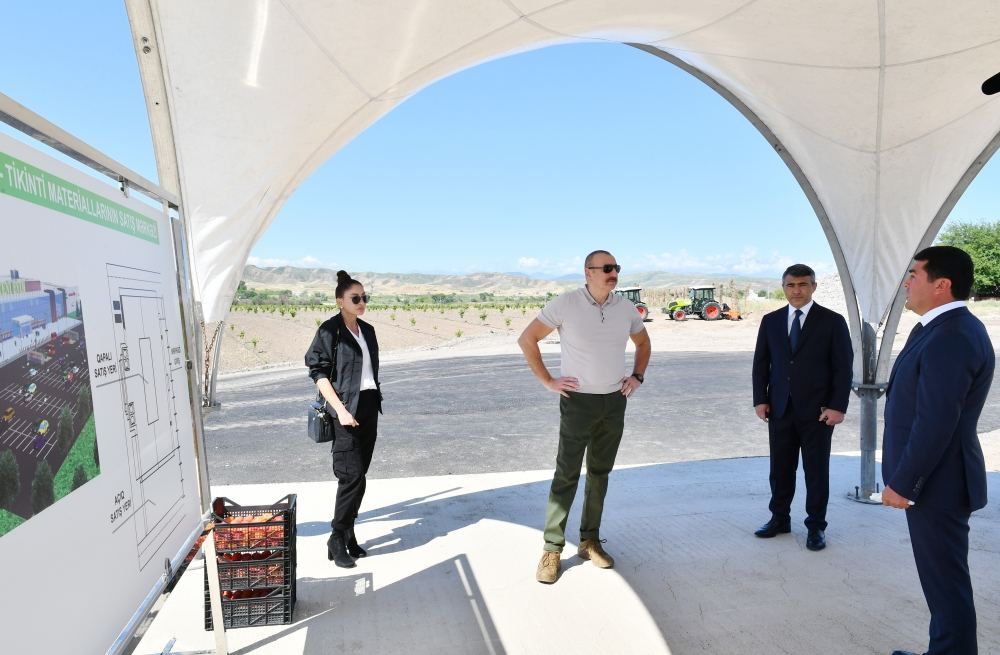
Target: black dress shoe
[(774, 527), (816, 540), (903, 652)]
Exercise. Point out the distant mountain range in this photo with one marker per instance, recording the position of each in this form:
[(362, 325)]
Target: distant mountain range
[(308, 280)]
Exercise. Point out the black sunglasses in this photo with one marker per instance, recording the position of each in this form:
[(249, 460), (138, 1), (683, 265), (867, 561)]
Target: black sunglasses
[(357, 299), (607, 268)]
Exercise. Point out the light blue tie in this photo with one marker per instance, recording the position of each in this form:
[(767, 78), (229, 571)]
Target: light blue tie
[(796, 331)]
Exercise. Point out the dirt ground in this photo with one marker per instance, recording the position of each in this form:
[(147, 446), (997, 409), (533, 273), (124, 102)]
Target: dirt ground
[(270, 340)]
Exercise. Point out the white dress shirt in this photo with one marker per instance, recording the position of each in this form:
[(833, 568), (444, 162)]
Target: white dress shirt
[(802, 320), (930, 315)]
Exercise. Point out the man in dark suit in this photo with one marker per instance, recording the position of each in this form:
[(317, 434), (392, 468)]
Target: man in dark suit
[(802, 370), (932, 463)]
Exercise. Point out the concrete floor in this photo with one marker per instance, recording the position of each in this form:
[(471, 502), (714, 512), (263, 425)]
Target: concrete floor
[(452, 562)]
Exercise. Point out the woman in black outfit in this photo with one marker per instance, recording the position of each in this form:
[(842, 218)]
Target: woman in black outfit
[(343, 361)]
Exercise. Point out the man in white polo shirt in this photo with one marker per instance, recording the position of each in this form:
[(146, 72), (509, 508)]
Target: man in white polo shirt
[(594, 327)]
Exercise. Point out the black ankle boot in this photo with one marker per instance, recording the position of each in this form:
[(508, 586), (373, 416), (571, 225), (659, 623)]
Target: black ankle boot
[(352, 545), (336, 550)]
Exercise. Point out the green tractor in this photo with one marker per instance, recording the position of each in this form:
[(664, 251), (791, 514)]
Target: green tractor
[(700, 301), (632, 294)]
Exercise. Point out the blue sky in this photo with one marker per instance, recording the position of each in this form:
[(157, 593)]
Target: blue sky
[(522, 164)]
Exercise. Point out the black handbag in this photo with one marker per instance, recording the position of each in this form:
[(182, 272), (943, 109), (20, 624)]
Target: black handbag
[(320, 422)]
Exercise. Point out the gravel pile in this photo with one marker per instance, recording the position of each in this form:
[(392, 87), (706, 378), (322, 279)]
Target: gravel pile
[(830, 293)]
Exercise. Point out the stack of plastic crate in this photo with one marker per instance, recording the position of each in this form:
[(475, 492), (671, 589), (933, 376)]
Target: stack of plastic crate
[(255, 552)]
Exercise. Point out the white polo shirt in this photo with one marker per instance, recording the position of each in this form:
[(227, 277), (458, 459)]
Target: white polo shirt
[(593, 337)]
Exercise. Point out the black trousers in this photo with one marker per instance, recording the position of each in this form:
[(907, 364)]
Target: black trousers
[(352, 455), (787, 437), (940, 540)]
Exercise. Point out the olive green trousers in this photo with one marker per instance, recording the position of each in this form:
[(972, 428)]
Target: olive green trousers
[(590, 424)]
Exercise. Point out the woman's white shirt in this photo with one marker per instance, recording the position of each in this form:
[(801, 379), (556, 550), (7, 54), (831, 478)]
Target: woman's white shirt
[(367, 375)]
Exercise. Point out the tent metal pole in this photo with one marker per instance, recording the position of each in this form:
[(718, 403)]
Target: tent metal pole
[(193, 341), (869, 392), (896, 309), (877, 353), (185, 291), (213, 374)]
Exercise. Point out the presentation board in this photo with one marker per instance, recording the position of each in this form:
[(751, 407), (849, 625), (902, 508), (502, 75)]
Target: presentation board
[(98, 477)]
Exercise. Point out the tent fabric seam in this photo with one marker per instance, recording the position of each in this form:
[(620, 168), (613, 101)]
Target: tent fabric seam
[(330, 57), (877, 199), (794, 64), (798, 174), (710, 23)]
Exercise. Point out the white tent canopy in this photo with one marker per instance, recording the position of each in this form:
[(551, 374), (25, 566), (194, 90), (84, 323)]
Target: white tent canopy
[(874, 104)]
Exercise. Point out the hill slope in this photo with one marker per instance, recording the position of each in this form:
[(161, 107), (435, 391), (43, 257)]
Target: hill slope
[(308, 280)]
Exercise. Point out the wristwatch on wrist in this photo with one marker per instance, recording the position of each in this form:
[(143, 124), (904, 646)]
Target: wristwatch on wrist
[(639, 377)]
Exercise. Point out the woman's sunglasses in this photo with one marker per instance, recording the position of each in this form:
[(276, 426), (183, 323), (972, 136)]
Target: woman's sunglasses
[(607, 268), (357, 299)]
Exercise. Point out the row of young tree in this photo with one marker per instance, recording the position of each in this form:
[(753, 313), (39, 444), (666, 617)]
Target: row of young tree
[(408, 305), (247, 296), (43, 484), (285, 301), (43, 491)]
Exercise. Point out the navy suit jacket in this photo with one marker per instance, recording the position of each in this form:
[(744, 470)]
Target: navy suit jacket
[(817, 375), (938, 386)]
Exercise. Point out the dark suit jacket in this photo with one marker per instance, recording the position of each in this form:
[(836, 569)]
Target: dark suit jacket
[(938, 386), (817, 375)]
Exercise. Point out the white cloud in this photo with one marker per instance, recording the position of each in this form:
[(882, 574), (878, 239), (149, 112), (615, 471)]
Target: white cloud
[(308, 261), (550, 267), (748, 262)]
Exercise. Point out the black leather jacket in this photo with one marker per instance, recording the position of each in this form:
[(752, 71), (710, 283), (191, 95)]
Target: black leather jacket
[(343, 367)]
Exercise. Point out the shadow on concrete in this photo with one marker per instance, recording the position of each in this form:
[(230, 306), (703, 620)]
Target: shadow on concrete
[(685, 547), (416, 532), (350, 611), (452, 562), (312, 528)]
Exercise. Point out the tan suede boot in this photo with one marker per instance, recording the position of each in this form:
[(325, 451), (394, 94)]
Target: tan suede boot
[(591, 549), (548, 567)]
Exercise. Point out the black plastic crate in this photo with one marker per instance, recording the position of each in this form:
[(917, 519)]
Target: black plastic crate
[(272, 607), (255, 570), (277, 532), (256, 563)]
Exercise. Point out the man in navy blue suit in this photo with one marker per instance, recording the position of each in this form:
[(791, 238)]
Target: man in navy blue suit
[(802, 370), (932, 463)]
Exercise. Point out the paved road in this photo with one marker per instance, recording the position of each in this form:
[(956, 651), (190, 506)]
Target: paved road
[(489, 414)]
